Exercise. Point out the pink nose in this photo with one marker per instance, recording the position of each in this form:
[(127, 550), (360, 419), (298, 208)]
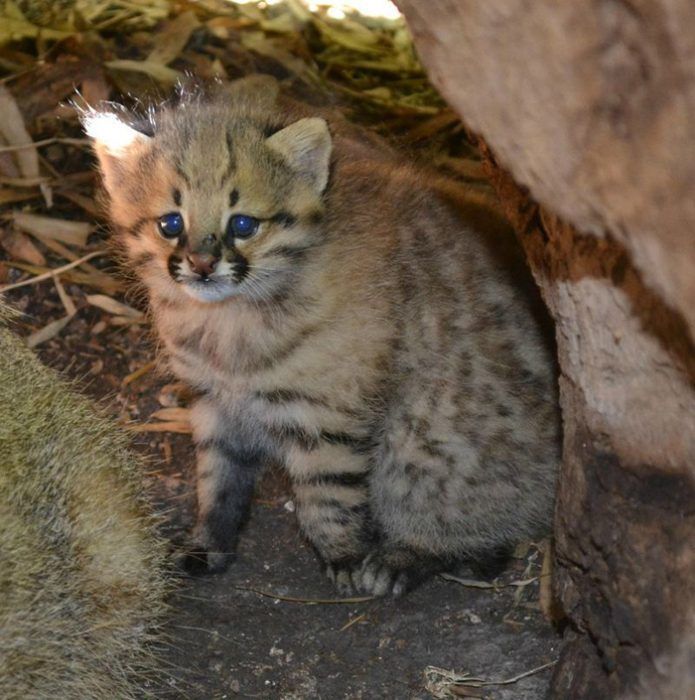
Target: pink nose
[(203, 264)]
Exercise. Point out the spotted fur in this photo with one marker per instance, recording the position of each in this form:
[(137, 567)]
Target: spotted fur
[(378, 335)]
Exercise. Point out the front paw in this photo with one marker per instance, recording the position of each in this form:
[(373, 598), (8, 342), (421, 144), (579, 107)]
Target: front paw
[(371, 575), (379, 577), (205, 553), (197, 561)]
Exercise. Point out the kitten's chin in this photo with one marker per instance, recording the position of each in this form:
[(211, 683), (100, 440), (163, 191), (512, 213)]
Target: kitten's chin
[(210, 292)]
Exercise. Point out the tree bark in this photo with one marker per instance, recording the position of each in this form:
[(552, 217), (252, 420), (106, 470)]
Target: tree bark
[(591, 106)]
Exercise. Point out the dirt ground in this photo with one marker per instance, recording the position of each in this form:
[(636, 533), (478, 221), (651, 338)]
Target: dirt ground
[(272, 626)]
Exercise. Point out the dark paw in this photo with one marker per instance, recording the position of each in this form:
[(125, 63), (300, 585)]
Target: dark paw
[(198, 561)]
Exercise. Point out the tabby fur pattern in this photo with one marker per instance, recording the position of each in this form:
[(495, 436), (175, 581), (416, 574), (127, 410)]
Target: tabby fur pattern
[(377, 335)]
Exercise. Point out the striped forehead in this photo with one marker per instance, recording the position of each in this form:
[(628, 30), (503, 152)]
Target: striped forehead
[(213, 156), (203, 154)]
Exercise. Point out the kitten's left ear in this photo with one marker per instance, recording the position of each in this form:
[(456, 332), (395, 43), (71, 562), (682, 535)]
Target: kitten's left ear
[(115, 143), (306, 146), (112, 135)]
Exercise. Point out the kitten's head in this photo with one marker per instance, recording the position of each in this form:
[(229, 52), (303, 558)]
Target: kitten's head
[(216, 196)]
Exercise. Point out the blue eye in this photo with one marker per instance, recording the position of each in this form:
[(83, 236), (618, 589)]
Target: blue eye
[(171, 225), (242, 226)]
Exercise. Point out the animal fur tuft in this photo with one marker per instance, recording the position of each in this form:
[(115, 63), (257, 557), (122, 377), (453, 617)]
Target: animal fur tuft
[(82, 580)]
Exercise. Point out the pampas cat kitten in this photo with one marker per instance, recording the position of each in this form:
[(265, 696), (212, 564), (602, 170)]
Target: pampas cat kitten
[(359, 320)]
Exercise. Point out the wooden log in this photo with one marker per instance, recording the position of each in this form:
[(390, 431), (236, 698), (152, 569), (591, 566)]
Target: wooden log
[(591, 105), (586, 106)]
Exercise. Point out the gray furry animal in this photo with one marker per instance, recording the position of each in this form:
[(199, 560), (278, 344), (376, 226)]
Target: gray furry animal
[(82, 579), (364, 322)]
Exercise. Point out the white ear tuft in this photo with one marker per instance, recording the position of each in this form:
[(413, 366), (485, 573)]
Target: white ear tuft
[(112, 134), (306, 146)]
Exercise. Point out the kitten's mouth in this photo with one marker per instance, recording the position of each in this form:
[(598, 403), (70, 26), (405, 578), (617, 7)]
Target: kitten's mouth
[(209, 289)]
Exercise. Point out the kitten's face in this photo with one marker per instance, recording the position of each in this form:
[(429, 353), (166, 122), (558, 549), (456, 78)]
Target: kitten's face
[(213, 204)]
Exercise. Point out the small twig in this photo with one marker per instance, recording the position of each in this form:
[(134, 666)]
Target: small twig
[(350, 623), (53, 273), (451, 679), (44, 142), (306, 601), (525, 674), (138, 373), (472, 583)]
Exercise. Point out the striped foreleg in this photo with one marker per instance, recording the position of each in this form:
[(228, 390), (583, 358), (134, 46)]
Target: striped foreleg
[(331, 490), (228, 464)]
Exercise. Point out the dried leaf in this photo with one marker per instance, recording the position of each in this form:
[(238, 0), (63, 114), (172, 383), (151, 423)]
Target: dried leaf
[(14, 26), (20, 247), (70, 232), (50, 330), (283, 23), (258, 42), (99, 280), (8, 168), (66, 300), (15, 133), (350, 35), (10, 196), (112, 306), (173, 38), (82, 201), (127, 320), (161, 73)]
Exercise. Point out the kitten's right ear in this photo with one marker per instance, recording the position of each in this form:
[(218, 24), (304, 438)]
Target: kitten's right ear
[(115, 143)]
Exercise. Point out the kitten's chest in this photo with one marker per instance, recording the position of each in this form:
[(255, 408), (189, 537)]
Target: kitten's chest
[(216, 347)]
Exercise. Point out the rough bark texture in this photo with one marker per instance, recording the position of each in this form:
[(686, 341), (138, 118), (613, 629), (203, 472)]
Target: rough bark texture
[(592, 107)]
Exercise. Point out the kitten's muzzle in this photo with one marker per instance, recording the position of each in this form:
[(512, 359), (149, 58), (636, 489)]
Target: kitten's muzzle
[(203, 264)]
